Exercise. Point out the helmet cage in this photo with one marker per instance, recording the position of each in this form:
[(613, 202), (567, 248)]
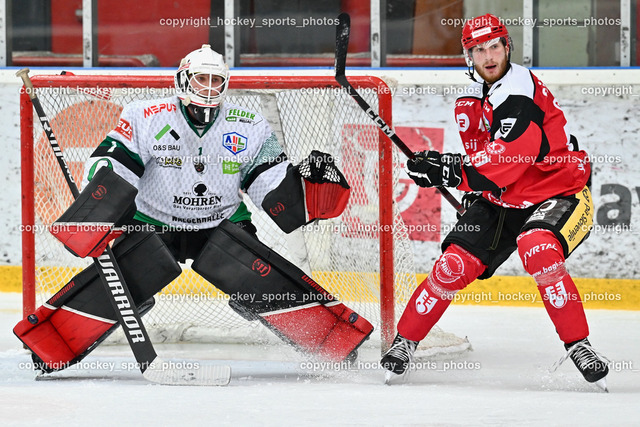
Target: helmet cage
[(194, 79)]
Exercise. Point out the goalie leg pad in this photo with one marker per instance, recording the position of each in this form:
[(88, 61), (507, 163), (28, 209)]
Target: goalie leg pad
[(87, 226), (280, 295), (79, 316)]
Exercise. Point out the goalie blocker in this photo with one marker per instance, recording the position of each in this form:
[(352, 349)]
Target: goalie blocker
[(88, 225), (263, 285)]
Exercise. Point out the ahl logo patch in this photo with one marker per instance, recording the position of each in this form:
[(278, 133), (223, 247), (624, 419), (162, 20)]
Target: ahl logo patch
[(234, 142)]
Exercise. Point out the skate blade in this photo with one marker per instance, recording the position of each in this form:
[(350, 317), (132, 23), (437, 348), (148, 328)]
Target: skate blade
[(602, 384), (391, 378), (388, 377)]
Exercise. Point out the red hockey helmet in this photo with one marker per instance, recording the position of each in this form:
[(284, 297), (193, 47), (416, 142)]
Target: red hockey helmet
[(482, 29)]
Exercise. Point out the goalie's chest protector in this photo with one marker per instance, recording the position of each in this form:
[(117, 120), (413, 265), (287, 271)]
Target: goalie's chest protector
[(193, 178)]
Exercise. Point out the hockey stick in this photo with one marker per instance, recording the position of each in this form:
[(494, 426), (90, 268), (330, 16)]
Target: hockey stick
[(342, 43), (152, 367)]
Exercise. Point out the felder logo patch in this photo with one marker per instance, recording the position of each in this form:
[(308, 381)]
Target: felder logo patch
[(235, 114), (234, 142)]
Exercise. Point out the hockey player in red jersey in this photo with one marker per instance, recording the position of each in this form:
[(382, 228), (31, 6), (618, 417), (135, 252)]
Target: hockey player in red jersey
[(527, 185)]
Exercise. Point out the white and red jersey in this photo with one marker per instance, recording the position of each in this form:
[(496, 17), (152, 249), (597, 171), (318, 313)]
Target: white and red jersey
[(517, 142)]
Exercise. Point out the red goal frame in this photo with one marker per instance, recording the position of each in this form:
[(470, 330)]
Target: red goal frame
[(96, 82)]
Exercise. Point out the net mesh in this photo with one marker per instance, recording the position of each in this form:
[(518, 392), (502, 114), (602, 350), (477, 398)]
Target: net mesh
[(342, 254)]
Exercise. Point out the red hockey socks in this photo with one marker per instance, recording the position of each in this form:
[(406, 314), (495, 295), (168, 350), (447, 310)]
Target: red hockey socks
[(453, 271), (542, 256)]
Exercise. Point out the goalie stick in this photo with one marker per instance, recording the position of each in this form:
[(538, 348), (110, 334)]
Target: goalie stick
[(342, 43), (153, 368)]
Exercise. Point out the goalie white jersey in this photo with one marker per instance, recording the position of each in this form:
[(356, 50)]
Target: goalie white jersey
[(189, 177)]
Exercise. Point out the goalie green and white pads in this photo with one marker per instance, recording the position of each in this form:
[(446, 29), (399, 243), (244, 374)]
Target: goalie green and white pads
[(313, 189), (89, 224)]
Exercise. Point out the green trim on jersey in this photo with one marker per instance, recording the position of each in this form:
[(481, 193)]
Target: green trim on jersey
[(114, 143), (192, 126), (241, 214), (146, 218)]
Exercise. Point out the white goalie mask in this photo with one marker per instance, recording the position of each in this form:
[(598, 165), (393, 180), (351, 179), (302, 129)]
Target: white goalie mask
[(202, 80)]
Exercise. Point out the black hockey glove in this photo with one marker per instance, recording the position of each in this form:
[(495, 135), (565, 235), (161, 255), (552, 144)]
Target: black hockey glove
[(433, 169), (468, 199)]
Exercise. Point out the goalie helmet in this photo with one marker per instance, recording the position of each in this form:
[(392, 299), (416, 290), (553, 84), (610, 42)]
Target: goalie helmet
[(201, 83), (483, 29)]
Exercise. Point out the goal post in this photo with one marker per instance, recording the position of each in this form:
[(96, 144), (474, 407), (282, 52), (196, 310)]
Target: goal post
[(364, 256)]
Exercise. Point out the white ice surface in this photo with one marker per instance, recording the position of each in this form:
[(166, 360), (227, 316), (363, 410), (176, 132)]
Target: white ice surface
[(504, 381)]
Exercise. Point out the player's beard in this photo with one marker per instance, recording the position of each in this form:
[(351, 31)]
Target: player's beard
[(495, 71)]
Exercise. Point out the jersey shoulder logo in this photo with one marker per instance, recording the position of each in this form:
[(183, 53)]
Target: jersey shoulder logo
[(234, 142), (505, 127), (463, 122), (124, 128), (238, 115)]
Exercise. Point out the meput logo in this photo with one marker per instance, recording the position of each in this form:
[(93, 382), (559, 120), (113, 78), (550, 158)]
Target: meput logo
[(234, 142)]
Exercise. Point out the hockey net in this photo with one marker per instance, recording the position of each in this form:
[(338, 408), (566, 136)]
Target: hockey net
[(364, 257)]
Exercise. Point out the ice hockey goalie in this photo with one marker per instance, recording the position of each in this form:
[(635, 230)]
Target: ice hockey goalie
[(175, 168)]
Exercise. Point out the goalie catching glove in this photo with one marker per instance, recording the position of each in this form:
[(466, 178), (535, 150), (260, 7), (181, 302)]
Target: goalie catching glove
[(314, 189), (433, 169)]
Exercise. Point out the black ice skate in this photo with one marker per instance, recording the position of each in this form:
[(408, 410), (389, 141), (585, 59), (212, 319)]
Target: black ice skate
[(398, 358), (592, 365)]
